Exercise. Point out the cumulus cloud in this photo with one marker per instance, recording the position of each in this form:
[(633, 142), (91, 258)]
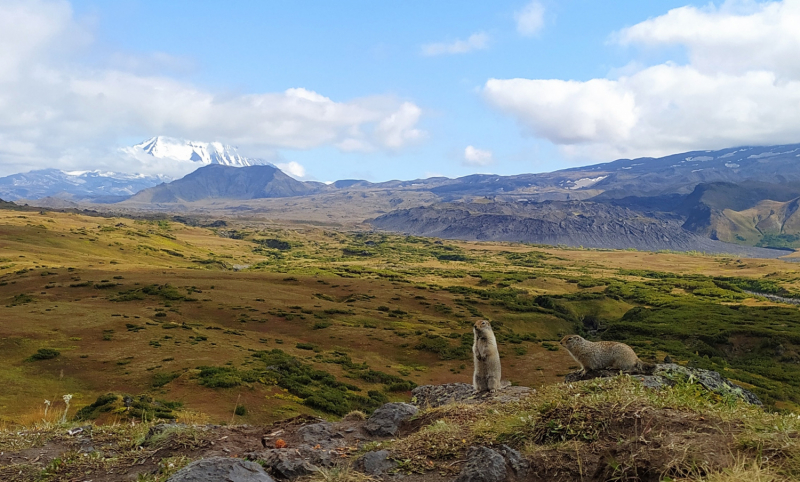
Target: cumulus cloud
[(476, 41), (477, 157), (740, 86), (292, 168), (530, 19), (54, 111), (735, 38)]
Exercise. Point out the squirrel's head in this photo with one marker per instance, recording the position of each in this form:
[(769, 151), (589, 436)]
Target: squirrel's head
[(481, 325), (571, 340)]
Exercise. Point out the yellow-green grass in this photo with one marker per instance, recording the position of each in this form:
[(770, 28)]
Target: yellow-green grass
[(679, 433)]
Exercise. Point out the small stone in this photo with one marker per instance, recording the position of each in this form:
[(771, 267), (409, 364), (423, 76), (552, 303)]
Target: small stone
[(375, 463), (221, 469)]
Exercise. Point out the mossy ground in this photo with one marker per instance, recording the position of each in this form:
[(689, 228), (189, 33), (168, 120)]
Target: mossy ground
[(613, 429)]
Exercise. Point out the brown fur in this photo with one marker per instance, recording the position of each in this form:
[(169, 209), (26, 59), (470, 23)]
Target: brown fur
[(604, 355), (486, 357)]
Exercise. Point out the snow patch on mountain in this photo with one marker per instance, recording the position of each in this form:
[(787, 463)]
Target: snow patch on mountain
[(180, 156)]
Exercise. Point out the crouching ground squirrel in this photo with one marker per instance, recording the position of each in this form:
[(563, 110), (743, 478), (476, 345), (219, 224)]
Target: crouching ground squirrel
[(604, 355), (486, 357)]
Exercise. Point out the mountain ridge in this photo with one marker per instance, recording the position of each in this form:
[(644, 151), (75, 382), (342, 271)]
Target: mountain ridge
[(224, 182)]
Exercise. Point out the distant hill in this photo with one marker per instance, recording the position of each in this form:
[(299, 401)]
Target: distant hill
[(682, 201), (591, 225), (225, 182)]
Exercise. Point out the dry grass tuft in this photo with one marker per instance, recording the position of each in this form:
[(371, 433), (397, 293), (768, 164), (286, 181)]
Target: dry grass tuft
[(743, 471), (355, 416)]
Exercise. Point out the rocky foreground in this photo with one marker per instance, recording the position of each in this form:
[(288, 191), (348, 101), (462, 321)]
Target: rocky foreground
[(678, 424)]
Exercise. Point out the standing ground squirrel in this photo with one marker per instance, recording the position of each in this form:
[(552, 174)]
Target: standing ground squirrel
[(610, 355), (486, 357)]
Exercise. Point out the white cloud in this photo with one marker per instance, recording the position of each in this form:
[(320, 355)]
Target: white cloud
[(476, 41), (397, 129), (58, 112), (728, 94), (735, 38), (477, 157), (530, 19), (292, 168)]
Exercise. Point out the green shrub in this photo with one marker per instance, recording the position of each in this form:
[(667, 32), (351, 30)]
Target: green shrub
[(141, 407), (161, 378), (44, 354)]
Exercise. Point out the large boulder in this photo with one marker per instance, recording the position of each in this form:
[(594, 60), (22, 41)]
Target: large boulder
[(669, 374), (221, 469), (386, 420)]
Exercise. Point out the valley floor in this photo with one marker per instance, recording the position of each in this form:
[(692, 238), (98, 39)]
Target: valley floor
[(192, 317)]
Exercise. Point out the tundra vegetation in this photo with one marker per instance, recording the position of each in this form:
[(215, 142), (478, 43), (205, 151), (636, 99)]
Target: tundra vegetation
[(288, 319)]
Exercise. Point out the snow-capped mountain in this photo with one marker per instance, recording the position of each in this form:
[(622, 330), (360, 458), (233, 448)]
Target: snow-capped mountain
[(90, 185), (199, 153), (166, 157)]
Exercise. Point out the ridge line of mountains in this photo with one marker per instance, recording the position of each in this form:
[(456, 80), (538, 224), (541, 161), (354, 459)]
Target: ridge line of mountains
[(737, 200)]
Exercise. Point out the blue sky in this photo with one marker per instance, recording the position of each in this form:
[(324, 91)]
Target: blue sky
[(406, 85)]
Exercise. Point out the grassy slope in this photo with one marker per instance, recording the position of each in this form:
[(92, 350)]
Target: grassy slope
[(398, 304)]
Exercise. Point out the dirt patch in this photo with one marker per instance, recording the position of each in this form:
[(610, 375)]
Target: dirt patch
[(629, 443)]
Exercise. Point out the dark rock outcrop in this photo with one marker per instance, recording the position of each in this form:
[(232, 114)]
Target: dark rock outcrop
[(321, 434), (514, 459), (483, 465), (317, 445), (486, 464), (668, 374), (430, 396), (287, 463), (386, 420), (221, 469), (375, 463)]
